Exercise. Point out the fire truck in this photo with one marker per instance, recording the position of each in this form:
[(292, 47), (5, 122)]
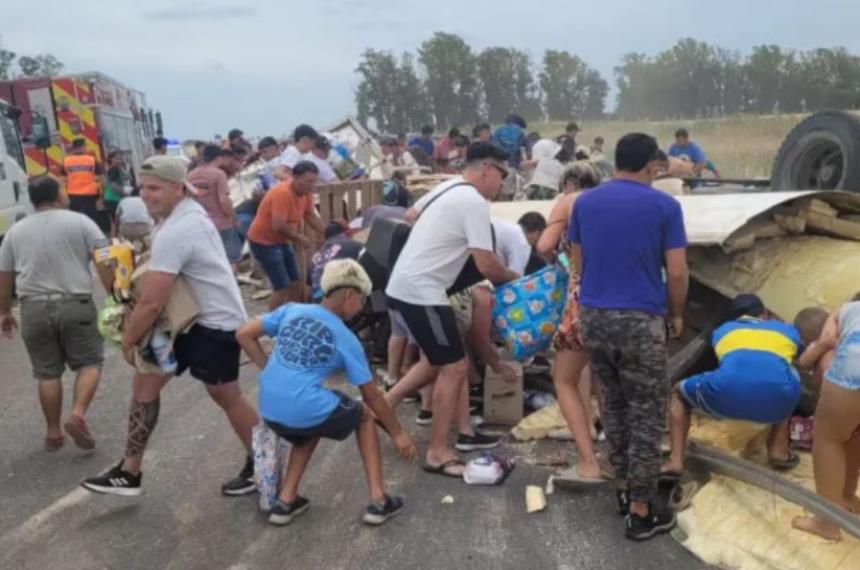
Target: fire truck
[(105, 113)]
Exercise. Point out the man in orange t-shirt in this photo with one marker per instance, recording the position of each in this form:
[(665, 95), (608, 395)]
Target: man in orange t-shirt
[(277, 229)]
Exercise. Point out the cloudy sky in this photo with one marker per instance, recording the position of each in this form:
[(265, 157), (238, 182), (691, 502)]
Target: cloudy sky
[(266, 65)]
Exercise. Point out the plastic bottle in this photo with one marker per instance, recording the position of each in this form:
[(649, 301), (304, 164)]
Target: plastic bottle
[(160, 345)]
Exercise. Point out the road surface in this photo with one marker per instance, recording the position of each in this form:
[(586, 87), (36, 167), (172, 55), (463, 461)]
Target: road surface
[(182, 522)]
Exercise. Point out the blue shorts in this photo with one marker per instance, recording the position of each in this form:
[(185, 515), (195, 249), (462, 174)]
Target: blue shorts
[(244, 221), (844, 371), (769, 397), (232, 244), (278, 263)]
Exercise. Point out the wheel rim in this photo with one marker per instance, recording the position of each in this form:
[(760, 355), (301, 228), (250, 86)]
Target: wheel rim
[(821, 166)]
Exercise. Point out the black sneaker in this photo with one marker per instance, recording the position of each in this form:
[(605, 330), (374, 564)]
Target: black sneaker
[(476, 442), (243, 483), (115, 482), (622, 502), (378, 513), (658, 521), (425, 418), (284, 513)]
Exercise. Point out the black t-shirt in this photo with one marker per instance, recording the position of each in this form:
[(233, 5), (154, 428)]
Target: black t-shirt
[(337, 247)]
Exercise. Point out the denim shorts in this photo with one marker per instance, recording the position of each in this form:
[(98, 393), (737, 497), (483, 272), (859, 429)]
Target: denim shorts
[(278, 263), (844, 371), (232, 244)]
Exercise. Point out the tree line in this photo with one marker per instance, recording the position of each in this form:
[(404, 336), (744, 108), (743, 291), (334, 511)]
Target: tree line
[(14, 66), (450, 84)]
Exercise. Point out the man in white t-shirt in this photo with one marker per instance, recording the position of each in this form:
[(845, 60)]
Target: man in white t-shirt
[(304, 138), (511, 245), (185, 243), (319, 156), (454, 225)]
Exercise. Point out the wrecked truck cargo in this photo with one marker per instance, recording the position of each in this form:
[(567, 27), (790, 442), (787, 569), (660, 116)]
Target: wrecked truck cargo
[(794, 249)]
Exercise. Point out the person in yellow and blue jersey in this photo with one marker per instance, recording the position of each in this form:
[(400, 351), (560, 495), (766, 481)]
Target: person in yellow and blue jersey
[(756, 381)]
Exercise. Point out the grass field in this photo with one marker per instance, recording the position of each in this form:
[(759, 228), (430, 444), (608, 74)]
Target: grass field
[(740, 147)]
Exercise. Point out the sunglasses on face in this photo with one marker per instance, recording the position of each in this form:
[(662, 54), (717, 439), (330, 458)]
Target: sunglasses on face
[(502, 171)]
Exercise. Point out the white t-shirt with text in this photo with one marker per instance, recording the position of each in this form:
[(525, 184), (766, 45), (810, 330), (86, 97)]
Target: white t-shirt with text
[(439, 244)]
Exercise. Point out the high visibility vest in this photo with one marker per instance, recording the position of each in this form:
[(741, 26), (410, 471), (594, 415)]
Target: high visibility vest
[(80, 175)]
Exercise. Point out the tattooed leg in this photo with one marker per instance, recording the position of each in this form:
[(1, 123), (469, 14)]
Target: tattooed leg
[(141, 422)]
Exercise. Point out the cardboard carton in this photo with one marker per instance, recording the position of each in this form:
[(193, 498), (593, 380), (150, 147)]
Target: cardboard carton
[(503, 401)]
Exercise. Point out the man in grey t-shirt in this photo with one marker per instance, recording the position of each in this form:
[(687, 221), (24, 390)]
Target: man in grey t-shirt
[(185, 243), (50, 252)]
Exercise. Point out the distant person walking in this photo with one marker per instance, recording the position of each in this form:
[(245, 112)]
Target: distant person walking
[(82, 185), (623, 233), (50, 253), (159, 146), (185, 244)]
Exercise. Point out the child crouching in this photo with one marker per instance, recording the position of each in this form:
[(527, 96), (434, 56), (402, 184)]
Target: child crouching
[(312, 343)]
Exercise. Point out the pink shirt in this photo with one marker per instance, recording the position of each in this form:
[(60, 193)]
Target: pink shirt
[(211, 184)]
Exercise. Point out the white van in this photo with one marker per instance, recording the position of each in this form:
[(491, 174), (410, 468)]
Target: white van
[(14, 201)]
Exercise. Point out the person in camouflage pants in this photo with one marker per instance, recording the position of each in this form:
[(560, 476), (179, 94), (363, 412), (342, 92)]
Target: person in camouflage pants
[(629, 355)]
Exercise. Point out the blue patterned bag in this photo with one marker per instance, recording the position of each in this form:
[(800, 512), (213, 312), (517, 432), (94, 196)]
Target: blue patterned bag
[(527, 311)]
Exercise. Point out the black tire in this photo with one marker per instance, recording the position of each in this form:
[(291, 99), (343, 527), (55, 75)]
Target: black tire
[(821, 153)]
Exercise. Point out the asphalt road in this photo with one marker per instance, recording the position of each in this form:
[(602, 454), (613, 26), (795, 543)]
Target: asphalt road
[(182, 521)]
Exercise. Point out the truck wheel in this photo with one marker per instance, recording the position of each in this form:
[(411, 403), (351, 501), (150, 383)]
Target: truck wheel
[(821, 153)]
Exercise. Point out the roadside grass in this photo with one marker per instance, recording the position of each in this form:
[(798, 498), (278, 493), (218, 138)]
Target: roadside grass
[(741, 147)]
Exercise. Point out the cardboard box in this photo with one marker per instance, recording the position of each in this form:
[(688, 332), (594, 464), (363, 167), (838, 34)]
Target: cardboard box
[(503, 401)]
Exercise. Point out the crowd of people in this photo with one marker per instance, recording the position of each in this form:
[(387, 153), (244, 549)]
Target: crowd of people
[(623, 242)]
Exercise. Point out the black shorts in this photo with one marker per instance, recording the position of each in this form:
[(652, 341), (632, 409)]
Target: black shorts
[(435, 331), (340, 424), (210, 355)]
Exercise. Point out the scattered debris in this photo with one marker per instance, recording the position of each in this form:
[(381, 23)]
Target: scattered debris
[(539, 424), (535, 499), (259, 295)]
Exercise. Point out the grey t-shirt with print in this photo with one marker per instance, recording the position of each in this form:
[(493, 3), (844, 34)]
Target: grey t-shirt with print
[(186, 243), (51, 252)]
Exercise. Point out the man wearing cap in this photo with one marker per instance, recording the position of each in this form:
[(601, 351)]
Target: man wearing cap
[(451, 224), (623, 233), (185, 243), (755, 382), (82, 186), (50, 253)]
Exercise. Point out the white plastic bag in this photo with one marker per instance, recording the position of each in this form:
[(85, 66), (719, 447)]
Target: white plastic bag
[(488, 469), (270, 452)]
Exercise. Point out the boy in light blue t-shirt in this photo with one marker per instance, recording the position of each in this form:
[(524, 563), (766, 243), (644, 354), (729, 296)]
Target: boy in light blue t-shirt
[(312, 343)]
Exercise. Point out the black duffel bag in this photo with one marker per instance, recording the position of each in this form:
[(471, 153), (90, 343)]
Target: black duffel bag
[(386, 240)]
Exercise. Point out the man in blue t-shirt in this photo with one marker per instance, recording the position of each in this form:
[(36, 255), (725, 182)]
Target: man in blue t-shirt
[(686, 149), (312, 343), (755, 382), (425, 141), (512, 137), (624, 233)]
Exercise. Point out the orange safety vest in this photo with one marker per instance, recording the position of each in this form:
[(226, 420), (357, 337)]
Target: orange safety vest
[(80, 175)]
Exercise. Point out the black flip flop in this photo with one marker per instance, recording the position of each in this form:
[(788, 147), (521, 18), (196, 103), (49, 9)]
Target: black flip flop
[(442, 469), (789, 462)]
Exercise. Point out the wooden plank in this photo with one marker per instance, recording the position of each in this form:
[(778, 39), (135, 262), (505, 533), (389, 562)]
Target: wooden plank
[(351, 204)]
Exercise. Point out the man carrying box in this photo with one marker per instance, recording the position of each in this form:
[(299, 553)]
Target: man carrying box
[(186, 244)]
